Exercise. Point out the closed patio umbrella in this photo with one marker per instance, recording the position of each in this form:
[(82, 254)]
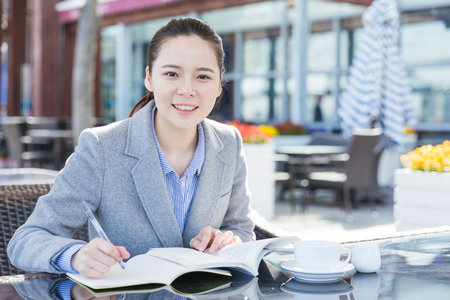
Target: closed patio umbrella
[(377, 91)]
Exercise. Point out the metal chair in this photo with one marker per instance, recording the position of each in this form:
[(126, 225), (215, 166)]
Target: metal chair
[(358, 174), (14, 129)]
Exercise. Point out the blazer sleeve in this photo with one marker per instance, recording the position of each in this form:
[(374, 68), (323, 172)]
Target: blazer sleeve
[(237, 218), (36, 245)]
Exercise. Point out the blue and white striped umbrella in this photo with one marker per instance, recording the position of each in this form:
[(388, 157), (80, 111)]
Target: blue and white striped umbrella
[(377, 88)]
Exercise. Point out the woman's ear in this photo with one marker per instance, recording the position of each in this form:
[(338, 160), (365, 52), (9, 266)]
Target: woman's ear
[(219, 91), (148, 80)]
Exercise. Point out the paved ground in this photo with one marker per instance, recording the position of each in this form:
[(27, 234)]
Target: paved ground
[(323, 220)]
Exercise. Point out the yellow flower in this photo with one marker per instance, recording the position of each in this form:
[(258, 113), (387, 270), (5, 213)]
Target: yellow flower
[(429, 158), (269, 130)]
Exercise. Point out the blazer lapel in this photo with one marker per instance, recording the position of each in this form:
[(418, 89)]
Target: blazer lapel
[(149, 179), (208, 186)]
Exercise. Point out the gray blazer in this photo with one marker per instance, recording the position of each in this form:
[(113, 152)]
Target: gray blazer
[(116, 170)]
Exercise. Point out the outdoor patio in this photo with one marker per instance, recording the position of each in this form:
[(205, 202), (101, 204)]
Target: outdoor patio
[(323, 220)]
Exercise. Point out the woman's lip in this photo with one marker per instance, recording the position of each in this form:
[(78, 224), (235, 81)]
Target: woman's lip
[(185, 107)]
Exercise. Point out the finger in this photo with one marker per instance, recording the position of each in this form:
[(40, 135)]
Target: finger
[(124, 254), (194, 242), (205, 239), (235, 240), (92, 273), (98, 265), (216, 242), (226, 238), (202, 239), (87, 266), (110, 250), (97, 257)]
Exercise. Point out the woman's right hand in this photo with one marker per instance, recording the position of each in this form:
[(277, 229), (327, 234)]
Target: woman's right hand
[(96, 258)]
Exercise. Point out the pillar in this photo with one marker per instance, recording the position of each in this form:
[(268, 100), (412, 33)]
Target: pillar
[(16, 53), (44, 58)]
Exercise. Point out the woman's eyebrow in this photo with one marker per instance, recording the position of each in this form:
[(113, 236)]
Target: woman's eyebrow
[(171, 66), (204, 69)]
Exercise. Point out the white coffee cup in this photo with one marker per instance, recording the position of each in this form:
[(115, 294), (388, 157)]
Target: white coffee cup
[(320, 256), (366, 257)]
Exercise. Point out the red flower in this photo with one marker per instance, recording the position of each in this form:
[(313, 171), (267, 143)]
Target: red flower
[(250, 133)]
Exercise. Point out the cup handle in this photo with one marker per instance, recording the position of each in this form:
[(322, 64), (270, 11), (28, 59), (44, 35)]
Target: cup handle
[(349, 255)]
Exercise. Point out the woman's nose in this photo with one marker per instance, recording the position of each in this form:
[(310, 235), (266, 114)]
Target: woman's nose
[(186, 88)]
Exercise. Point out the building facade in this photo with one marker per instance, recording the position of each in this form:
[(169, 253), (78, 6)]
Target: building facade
[(285, 59)]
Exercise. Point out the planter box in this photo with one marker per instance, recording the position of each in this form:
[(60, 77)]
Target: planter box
[(421, 199), (261, 178)]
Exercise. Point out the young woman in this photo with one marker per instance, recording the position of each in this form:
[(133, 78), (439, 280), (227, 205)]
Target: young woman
[(165, 177)]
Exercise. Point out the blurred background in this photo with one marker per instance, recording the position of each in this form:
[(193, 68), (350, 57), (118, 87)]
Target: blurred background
[(307, 69), (283, 57)]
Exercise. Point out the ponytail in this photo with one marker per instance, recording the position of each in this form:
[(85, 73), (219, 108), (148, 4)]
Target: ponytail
[(141, 103)]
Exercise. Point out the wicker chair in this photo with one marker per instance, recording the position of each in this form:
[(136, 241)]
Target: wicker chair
[(16, 204)]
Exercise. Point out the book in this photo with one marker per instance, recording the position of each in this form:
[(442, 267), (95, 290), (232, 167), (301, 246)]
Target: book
[(170, 268)]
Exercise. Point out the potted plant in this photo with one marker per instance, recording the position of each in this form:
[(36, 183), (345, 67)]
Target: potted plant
[(291, 134), (259, 155), (422, 188)]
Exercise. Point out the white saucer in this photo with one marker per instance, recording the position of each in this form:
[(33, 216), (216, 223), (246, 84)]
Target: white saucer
[(332, 275), (338, 288), (293, 266)]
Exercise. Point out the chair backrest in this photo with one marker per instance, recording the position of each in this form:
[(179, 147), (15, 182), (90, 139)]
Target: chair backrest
[(47, 123), (320, 138), (364, 155), (13, 129), (17, 202)]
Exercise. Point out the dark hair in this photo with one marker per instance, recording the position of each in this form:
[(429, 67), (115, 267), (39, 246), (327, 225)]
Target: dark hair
[(175, 28)]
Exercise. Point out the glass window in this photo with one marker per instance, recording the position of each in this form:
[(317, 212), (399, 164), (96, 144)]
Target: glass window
[(322, 51), (223, 110), (108, 68), (431, 93), (228, 47), (255, 100), (261, 99), (260, 51), (345, 43), (320, 103), (138, 63), (425, 42)]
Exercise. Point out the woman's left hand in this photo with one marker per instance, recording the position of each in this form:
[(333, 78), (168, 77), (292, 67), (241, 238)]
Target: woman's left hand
[(210, 240)]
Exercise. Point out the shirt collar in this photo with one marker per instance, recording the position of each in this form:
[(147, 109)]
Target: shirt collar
[(199, 155)]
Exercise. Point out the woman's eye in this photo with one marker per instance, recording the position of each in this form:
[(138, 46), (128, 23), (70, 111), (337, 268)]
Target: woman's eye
[(171, 74), (204, 77)]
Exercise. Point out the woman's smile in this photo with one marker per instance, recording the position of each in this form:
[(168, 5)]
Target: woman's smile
[(184, 107)]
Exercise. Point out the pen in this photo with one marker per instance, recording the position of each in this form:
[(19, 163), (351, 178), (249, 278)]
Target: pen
[(97, 227)]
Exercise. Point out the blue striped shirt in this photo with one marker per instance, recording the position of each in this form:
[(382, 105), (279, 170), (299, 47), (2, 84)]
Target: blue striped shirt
[(181, 190)]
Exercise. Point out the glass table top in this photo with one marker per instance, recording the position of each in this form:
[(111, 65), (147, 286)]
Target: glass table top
[(415, 266)]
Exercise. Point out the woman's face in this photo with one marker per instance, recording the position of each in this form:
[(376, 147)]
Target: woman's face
[(185, 80)]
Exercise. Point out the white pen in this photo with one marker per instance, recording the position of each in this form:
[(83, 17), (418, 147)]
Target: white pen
[(97, 227)]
